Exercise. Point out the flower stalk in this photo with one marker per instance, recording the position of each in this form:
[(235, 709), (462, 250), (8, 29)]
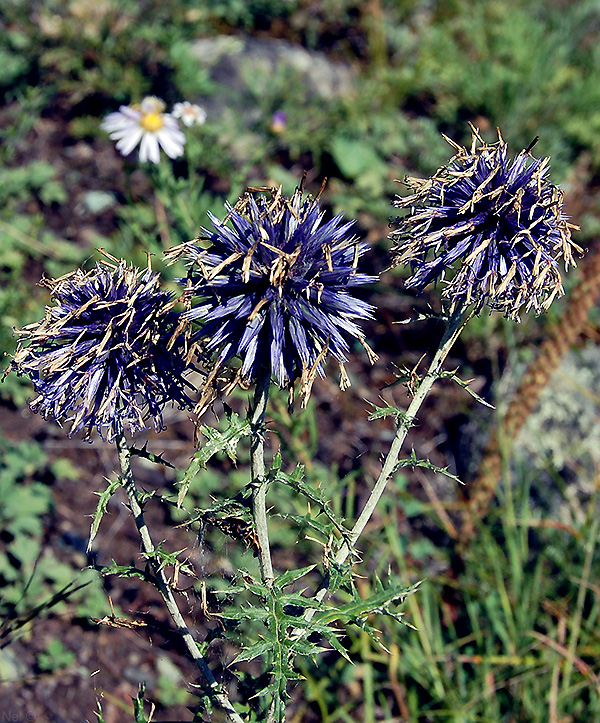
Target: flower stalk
[(456, 323), (213, 688), (257, 470)]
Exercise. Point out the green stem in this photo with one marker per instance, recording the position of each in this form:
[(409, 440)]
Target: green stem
[(213, 688), (257, 470), (456, 324)]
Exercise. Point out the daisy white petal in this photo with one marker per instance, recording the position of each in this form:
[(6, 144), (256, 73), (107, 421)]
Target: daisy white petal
[(129, 140), (149, 149), (172, 145), (147, 125)]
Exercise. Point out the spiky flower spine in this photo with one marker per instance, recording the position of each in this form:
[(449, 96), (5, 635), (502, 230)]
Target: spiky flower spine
[(274, 289), (491, 229), (105, 355)]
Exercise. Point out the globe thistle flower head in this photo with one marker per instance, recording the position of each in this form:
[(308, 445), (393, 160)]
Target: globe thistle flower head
[(491, 229), (106, 355), (274, 289)]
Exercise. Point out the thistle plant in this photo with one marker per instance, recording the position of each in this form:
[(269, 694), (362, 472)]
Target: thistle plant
[(490, 230), (108, 356), (272, 292), (493, 232)]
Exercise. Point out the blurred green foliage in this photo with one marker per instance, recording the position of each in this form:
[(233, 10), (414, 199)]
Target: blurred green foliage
[(55, 657), (33, 579)]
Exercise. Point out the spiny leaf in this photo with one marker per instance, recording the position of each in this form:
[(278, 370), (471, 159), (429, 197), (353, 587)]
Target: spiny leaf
[(124, 571), (291, 576), (322, 528), (145, 454), (388, 411), (171, 558), (101, 507), (298, 600), (340, 575), (413, 462), (335, 643), (243, 613), (304, 647), (295, 481), (216, 442), (378, 603), (465, 385), (423, 316), (254, 651), (382, 412)]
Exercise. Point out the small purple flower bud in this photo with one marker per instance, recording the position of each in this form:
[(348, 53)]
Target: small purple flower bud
[(278, 121)]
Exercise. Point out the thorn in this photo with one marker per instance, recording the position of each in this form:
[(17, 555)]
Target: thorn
[(532, 144)]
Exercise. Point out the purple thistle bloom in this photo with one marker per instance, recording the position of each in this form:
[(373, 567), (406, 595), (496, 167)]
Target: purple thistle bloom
[(274, 289), (102, 356), (498, 224)]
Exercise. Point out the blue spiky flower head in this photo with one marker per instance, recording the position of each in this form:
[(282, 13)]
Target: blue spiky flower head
[(274, 289), (491, 229), (106, 355)]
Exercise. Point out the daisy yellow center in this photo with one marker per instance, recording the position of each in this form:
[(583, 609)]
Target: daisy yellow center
[(151, 122)]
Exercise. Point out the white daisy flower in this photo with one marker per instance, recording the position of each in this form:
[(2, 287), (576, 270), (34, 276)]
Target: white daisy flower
[(189, 113), (148, 125)]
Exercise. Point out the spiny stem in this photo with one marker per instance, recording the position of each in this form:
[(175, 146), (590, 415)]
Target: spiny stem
[(257, 470), (213, 688), (456, 324)]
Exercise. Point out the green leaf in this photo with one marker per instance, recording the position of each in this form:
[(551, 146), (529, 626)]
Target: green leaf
[(403, 420), (323, 528), (291, 576), (138, 705), (357, 610), (413, 462), (216, 442), (465, 385), (104, 498), (171, 558), (296, 482), (355, 158), (124, 571), (144, 454), (387, 411), (254, 651), (339, 576)]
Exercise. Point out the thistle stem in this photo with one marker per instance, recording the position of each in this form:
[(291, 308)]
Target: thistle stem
[(213, 688), (456, 324), (257, 470)]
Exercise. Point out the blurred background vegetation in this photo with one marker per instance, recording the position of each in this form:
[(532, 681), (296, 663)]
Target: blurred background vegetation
[(506, 629)]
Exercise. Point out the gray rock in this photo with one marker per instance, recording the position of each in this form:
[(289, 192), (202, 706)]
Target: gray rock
[(239, 62), (98, 201), (12, 669), (563, 433)]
